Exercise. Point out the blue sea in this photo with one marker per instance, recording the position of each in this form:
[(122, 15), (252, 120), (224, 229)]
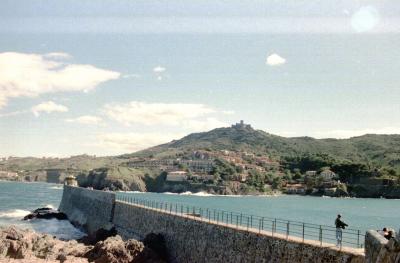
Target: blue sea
[(17, 199)]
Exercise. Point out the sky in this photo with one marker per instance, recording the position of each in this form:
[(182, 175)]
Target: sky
[(112, 77)]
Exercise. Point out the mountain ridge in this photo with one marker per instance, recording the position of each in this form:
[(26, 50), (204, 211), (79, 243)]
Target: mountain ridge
[(378, 149)]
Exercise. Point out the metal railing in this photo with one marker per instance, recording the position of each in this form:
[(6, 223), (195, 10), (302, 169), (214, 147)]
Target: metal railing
[(324, 235)]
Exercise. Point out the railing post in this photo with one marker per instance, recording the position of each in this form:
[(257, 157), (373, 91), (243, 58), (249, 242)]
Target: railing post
[(241, 217), (262, 223), (287, 229), (251, 221), (231, 217), (320, 235), (358, 238), (273, 227), (303, 232), (248, 219)]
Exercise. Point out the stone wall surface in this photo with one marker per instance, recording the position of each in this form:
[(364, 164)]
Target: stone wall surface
[(191, 240), (90, 209), (380, 250)]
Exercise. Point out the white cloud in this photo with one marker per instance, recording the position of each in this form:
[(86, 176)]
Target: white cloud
[(342, 134), (159, 69), (131, 142), (155, 113), (13, 113), (131, 76), (275, 60), (228, 112), (48, 107), (203, 125), (365, 19), (86, 119), (57, 55), (30, 75)]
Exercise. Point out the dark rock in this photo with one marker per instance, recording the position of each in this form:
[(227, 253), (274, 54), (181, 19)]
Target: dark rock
[(13, 233), (26, 244), (46, 213), (115, 250), (33, 247), (157, 243), (99, 235)]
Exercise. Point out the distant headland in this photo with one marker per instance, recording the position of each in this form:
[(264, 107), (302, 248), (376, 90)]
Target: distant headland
[(233, 160)]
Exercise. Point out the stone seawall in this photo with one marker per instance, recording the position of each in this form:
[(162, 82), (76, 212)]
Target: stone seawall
[(90, 209), (191, 239), (380, 250)]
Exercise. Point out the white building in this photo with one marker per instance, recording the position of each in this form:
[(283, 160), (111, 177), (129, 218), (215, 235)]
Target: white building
[(177, 176), (327, 175), (8, 174), (311, 173)]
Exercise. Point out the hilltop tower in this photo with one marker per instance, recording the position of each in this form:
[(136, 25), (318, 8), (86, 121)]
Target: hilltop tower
[(71, 181), (241, 125)]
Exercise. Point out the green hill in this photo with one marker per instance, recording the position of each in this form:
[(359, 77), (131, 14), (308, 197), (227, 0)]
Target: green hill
[(368, 164), (374, 151)]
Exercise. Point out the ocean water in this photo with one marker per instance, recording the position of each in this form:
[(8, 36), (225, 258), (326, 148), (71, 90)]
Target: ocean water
[(18, 199)]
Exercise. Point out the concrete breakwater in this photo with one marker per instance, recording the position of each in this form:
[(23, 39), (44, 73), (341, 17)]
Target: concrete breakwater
[(191, 239)]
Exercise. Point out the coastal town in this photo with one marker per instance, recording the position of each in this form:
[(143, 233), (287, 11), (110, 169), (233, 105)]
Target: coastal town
[(230, 168)]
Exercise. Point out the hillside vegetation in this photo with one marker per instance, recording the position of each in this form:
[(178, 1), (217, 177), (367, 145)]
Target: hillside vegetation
[(374, 151), (245, 161)]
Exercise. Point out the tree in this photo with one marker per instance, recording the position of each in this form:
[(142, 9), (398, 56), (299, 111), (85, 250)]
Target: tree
[(277, 183)]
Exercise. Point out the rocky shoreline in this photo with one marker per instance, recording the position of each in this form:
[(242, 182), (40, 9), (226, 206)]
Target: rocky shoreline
[(17, 245)]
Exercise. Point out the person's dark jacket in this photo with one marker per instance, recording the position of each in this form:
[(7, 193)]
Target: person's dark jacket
[(340, 224)]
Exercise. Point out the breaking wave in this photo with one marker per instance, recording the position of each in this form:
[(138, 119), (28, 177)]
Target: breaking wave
[(15, 213), (62, 229), (58, 187)]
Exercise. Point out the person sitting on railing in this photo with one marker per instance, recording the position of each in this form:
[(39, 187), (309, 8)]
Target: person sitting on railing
[(339, 226), (389, 235), (383, 232)]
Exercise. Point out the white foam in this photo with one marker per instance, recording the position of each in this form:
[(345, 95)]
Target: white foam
[(49, 206), (198, 194), (131, 192), (186, 193), (56, 187), (60, 228), (16, 213)]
